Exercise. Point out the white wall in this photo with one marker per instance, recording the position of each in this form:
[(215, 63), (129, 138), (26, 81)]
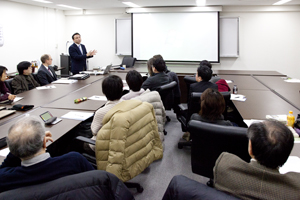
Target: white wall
[(29, 32), (97, 32)]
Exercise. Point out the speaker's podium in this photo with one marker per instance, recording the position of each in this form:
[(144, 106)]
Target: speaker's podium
[(65, 64)]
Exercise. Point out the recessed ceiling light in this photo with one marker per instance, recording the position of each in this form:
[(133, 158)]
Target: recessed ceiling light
[(42, 1), (200, 2), (66, 6), (130, 4), (281, 2)]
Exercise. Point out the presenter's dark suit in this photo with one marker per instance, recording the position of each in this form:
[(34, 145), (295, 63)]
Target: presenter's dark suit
[(45, 76), (78, 59), (202, 86), (253, 180)]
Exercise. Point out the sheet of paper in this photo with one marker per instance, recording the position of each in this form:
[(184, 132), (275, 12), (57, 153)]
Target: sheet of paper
[(292, 80), (4, 152), (229, 81), (143, 74), (251, 121), (63, 81), (81, 116), (18, 99), (237, 97), (291, 165), (126, 88), (281, 118), (45, 87), (98, 98), (124, 81)]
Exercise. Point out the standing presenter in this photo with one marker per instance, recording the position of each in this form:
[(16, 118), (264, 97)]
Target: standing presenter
[(79, 54)]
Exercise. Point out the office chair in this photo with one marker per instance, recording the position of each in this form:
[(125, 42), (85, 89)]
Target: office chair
[(126, 146), (210, 140), (128, 61), (93, 184), (166, 93), (8, 85), (194, 107), (177, 93)]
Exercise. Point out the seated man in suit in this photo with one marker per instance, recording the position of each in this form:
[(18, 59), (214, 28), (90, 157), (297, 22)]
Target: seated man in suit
[(24, 81), (46, 73), (134, 81), (203, 76), (270, 144), (159, 77), (29, 164)]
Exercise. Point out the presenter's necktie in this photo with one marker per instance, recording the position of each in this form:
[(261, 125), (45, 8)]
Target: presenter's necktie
[(80, 49)]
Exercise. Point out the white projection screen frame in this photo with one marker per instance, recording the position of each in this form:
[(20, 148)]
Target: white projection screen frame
[(178, 37)]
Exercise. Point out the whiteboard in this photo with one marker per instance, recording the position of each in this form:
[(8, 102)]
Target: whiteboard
[(229, 37), (123, 36)]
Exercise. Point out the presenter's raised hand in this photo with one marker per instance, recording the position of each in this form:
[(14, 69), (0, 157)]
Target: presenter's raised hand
[(91, 53)]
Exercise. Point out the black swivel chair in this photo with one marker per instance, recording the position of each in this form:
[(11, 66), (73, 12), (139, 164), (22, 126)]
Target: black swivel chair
[(93, 184), (210, 140), (8, 85), (128, 61), (166, 93), (194, 107)]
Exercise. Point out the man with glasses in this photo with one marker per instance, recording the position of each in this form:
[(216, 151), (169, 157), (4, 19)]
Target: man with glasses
[(46, 73)]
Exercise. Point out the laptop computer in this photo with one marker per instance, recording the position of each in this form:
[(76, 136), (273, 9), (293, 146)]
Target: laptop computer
[(4, 113)]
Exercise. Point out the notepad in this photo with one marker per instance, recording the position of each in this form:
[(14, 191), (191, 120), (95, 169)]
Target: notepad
[(45, 87), (98, 98), (81, 116)]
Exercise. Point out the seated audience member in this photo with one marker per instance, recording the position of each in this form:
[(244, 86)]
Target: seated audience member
[(29, 164), (212, 106), (24, 81), (46, 73), (203, 76), (159, 77), (134, 81), (149, 66), (4, 92), (213, 79), (270, 144), (158, 56), (112, 88)]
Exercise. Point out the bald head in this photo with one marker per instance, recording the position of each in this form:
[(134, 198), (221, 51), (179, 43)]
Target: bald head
[(25, 137)]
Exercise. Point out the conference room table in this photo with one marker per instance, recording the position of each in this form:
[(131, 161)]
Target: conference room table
[(38, 98), (287, 90)]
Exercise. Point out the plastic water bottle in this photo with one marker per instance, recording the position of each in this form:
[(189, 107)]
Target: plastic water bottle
[(290, 119), (234, 89)]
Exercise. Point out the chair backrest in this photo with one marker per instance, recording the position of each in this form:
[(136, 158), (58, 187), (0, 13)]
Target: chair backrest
[(166, 93), (8, 85), (128, 61), (94, 184), (35, 76), (210, 140), (188, 81), (194, 103)]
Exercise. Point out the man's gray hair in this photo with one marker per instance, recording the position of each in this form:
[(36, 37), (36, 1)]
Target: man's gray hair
[(25, 137)]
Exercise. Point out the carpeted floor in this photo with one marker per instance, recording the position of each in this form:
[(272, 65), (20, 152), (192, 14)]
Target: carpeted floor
[(156, 178)]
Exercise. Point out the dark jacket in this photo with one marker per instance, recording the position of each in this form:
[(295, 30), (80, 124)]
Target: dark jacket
[(220, 120), (45, 76), (20, 83), (155, 81), (95, 184), (3, 91), (202, 86), (78, 60)]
